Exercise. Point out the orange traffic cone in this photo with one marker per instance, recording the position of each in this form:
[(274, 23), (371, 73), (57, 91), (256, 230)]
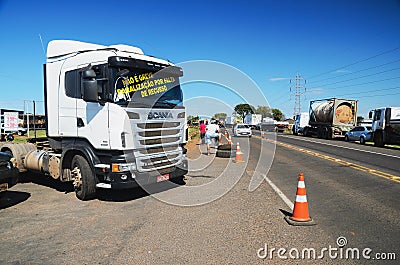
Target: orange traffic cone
[(300, 211), (239, 153), (229, 140)]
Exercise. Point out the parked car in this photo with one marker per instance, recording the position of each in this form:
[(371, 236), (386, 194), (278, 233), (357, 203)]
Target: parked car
[(241, 129), (359, 133), (8, 173)]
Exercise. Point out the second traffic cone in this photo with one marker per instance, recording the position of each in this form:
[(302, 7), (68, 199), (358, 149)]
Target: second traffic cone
[(239, 154), (229, 140), (300, 211)]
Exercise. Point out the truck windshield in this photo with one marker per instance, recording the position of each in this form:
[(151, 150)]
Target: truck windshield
[(146, 88)]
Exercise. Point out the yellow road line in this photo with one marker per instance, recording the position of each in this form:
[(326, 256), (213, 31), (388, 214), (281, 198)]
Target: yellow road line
[(340, 161)]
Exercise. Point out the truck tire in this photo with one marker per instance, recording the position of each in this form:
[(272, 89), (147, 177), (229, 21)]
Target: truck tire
[(84, 183), (378, 139), (19, 152), (225, 147), (306, 132), (223, 153)]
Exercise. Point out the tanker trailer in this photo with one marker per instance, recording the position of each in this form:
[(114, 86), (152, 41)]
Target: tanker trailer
[(331, 118)]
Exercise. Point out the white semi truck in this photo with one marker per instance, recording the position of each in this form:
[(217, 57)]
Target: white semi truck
[(385, 125), (253, 120), (115, 119), (300, 122)]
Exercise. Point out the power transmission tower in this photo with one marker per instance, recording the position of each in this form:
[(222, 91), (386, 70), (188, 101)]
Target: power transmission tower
[(299, 89)]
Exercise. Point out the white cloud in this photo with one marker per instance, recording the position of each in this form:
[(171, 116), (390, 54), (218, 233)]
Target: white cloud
[(316, 90), (278, 79), (342, 71)]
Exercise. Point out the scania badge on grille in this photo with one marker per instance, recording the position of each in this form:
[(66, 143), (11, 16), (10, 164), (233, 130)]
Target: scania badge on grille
[(159, 115)]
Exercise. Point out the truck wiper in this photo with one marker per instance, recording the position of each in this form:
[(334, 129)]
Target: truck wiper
[(165, 103)]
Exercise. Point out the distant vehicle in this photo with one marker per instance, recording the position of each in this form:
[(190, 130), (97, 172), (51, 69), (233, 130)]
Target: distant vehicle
[(19, 130), (267, 124), (301, 121), (359, 133), (281, 126), (385, 125), (241, 129), (253, 120), (8, 173), (331, 118), (230, 121), (367, 122)]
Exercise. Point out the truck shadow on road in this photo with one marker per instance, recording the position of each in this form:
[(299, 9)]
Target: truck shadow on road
[(139, 192), (46, 181), (12, 198), (102, 194)]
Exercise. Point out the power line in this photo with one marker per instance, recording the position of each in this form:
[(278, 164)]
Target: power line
[(355, 72), (355, 78), (357, 62), (359, 84), (381, 95), (370, 91)]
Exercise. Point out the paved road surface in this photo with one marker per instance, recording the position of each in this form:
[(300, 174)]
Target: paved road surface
[(41, 223)]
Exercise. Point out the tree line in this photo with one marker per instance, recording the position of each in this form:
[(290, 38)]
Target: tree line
[(244, 109)]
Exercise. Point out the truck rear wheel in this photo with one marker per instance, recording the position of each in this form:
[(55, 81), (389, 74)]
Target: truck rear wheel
[(378, 139), (84, 179)]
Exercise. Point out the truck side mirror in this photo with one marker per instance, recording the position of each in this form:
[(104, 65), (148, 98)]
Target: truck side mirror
[(89, 86), (370, 115)]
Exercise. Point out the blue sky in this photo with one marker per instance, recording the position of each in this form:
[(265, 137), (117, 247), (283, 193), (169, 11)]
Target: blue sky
[(346, 49)]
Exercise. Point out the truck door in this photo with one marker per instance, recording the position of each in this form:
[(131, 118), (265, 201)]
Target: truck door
[(377, 122), (67, 104), (92, 117)]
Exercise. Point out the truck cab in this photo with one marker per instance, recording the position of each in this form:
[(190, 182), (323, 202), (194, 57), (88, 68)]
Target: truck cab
[(115, 119), (385, 125), (300, 122)]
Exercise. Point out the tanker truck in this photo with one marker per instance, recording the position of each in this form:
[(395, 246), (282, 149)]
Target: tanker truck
[(331, 118), (114, 116)]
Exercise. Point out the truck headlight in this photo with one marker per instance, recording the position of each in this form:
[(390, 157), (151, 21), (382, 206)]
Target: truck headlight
[(117, 168)]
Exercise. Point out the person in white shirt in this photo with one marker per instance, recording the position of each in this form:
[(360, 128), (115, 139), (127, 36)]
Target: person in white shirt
[(213, 132)]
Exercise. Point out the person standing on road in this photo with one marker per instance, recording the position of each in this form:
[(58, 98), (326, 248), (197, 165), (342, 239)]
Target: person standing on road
[(203, 130), (213, 132)]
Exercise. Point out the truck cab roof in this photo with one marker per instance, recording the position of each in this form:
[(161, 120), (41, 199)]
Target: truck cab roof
[(59, 48)]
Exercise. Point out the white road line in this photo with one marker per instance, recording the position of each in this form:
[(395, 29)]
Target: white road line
[(280, 193), (344, 147)]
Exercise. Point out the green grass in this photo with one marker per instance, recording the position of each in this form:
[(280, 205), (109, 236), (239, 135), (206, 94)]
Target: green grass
[(22, 139), (386, 145), (194, 131)]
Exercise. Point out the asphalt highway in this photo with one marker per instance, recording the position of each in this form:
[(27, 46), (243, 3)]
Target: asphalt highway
[(353, 190), (223, 213)]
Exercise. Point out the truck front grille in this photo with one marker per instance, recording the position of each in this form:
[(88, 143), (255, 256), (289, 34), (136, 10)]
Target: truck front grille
[(158, 145)]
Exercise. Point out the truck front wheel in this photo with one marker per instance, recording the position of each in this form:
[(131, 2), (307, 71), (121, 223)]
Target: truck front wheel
[(84, 179)]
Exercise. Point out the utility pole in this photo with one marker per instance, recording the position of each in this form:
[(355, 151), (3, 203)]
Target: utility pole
[(299, 90)]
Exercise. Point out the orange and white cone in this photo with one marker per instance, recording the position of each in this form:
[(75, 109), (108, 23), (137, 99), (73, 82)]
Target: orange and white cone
[(229, 140), (300, 211), (239, 154)]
